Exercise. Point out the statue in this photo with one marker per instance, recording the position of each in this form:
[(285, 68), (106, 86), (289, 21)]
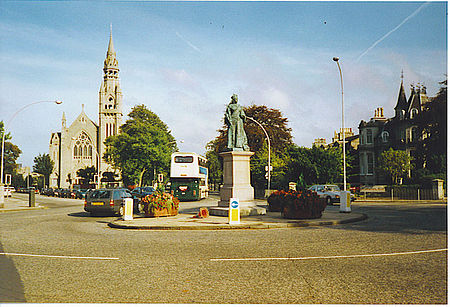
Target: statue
[(234, 119)]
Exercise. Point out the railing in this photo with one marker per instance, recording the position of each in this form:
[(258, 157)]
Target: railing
[(403, 193)]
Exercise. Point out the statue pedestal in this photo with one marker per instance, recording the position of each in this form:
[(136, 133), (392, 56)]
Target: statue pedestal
[(236, 184)]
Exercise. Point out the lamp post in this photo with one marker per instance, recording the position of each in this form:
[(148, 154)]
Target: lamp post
[(268, 160), (336, 59), (3, 143)]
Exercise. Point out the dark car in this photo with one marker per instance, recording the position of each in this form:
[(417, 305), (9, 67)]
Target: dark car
[(81, 193), (108, 201), (140, 192)]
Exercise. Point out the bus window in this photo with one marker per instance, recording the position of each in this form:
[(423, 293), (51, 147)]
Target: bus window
[(184, 159)]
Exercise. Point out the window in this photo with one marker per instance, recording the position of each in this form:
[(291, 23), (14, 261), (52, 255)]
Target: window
[(362, 138), (82, 147), (370, 163), (385, 136), (184, 159), (369, 137), (414, 112)]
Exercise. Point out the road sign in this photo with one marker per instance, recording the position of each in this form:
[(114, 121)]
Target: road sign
[(234, 211)]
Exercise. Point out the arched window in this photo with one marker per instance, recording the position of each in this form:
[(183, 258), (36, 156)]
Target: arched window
[(414, 112), (81, 146), (385, 136)]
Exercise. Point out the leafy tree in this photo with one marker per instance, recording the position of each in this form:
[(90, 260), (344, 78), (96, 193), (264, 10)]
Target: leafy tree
[(144, 145), (308, 166), (87, 174), (11, 153), (44, 165), (431, 153), (280, 137), (395, 163)]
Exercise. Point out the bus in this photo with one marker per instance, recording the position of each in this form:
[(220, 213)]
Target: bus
[(188, 176)]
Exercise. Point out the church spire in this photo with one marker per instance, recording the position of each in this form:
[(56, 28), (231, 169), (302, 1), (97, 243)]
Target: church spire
[(111, 66), (402, 104)]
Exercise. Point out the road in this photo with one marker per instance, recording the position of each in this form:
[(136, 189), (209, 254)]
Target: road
[(62, 255)]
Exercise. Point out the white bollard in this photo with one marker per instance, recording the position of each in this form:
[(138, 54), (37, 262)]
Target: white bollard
[(345, 202), (128, 209)]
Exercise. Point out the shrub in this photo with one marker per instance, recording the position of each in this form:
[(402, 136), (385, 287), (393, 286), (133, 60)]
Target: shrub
[(159, 201), (297, 204)]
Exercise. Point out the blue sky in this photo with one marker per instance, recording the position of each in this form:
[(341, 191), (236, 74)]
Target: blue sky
[(184, 60)]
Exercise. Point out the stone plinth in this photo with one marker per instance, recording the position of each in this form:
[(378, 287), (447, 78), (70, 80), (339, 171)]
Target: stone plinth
[(236, 177)]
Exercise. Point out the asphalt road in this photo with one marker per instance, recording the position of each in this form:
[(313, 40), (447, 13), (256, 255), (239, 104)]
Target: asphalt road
[(62, 255)]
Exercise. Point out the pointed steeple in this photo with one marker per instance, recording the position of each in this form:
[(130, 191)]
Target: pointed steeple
[(111, 66), (402, 105)]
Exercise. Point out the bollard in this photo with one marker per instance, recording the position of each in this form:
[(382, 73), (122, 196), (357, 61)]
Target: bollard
[(345, 202), (128, 209), (234, 212), (31, 198)]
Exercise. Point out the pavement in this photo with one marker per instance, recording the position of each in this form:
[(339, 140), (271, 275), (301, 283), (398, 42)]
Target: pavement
[(14, 204), (186, 219)]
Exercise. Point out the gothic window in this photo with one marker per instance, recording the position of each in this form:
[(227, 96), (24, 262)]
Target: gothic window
[(414, 112), (81, 146)]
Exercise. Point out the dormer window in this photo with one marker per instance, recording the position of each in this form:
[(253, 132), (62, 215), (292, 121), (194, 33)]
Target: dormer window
[(414, 112), (369, 137)]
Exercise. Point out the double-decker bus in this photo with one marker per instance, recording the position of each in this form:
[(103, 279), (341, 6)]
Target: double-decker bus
[(188, 176)]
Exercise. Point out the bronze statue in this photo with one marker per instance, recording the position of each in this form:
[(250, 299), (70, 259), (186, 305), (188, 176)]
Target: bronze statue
[(234, 119)]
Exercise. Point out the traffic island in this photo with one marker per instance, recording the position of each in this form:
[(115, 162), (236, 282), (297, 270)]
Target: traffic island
[(269, 221)]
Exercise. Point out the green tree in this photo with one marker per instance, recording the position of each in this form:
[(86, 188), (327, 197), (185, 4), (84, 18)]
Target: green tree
[(144, 145), (431, 151), (11, 153), (308, 166), (87, 174), (44, 165), (394, 163), (280, 137)]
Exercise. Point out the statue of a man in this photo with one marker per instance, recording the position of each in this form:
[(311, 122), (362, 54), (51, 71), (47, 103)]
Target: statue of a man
[(234, 119)]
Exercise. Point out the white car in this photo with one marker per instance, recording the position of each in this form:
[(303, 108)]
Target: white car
[(330, 192)]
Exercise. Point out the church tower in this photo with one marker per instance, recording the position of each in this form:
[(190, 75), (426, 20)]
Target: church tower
[(110, 103)]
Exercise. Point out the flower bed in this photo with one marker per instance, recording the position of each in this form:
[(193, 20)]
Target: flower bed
[(302, 204), (160, 204)]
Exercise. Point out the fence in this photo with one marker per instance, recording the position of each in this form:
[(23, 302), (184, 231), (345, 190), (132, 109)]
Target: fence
[(396, 193)]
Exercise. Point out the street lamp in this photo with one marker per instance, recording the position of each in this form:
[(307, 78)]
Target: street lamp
[(3, 142), (268, 160), (336, 59)]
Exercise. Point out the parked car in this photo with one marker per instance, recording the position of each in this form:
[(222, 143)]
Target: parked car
[(140, 192), (108, 201), (81, 193), (330, 192)]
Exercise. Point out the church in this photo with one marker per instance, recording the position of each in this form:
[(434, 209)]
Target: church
[(81, 144)]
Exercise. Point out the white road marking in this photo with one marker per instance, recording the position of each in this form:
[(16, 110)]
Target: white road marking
[(330, 257), (62, 257)]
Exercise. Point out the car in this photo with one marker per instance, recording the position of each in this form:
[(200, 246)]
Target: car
[(330, 192), (108, 201), (81, 193), (140, 192)]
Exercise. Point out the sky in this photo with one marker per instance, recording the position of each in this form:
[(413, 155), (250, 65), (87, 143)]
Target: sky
[(184, 60)]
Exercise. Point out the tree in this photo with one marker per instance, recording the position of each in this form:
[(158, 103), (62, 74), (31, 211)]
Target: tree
[(11, 153), (280, 137), (395, 163), (308, 166), (44, 165), (87, 174), (431, 153), (144, 145)]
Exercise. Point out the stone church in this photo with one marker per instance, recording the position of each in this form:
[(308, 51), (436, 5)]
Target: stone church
[(81, 144)]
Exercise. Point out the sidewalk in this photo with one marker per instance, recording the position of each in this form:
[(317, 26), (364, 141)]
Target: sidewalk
[(14, 204)]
